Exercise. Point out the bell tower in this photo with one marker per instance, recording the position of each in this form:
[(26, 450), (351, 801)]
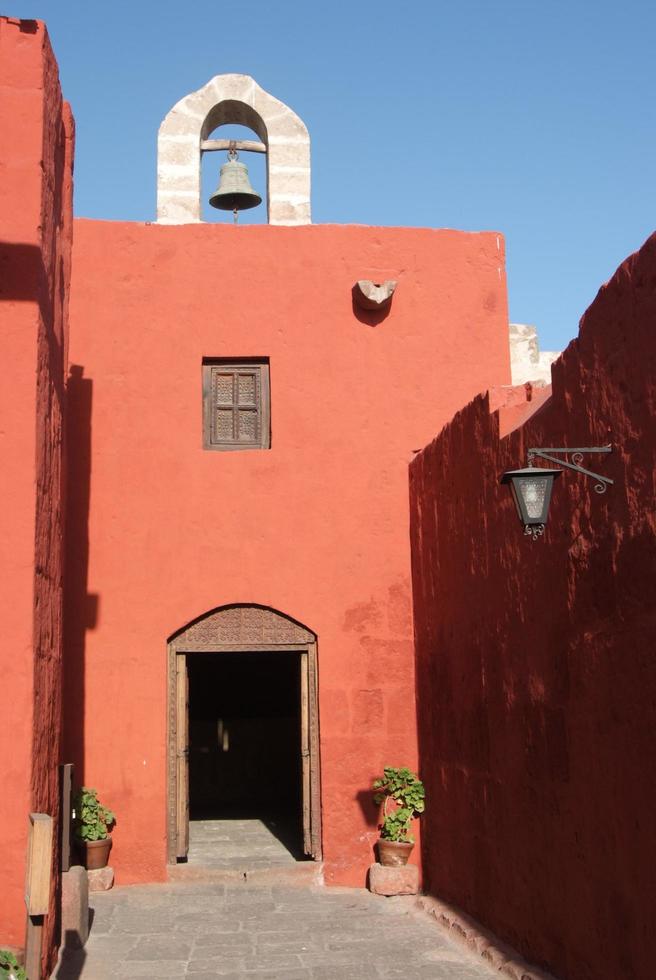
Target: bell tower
[(236, 99)]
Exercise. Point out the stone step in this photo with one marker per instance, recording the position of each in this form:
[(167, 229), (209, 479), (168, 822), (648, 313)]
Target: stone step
[(301, 873)]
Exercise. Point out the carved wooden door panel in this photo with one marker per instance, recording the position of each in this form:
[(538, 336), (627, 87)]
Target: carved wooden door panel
[(182, 756)]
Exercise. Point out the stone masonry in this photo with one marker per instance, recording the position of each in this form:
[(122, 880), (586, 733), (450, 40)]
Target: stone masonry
[(527, 361), (236, 99)]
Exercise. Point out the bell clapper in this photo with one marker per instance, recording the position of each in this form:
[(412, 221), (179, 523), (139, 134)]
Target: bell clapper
[(233, 155)]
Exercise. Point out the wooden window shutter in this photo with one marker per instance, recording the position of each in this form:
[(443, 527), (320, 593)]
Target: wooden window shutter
[(236, 405)]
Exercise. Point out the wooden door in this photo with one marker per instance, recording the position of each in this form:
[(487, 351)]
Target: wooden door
[(182, 756), (315, 850), (305, 756), (310, 789)]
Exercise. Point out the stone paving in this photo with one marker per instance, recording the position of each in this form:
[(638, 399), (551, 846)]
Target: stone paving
[(209, 930), (248, 843)]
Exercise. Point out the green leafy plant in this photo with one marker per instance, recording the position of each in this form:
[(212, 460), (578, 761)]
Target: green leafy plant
[(10, 969), (92, 820), (404, 791)]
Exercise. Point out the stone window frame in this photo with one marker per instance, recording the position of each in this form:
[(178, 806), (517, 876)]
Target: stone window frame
[(259, 366)]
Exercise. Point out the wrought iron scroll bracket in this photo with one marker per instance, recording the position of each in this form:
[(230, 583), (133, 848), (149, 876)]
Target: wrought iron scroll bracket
[(577, 453)]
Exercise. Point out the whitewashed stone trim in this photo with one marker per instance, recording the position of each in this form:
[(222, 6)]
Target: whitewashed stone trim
[(527, 361), (232, 99)]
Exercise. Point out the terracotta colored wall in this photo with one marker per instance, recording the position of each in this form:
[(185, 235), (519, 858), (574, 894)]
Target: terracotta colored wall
[(35, 240), (536, 676), (316, 527)]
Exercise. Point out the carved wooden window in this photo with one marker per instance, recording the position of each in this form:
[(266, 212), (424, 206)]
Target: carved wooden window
[(236, 404)]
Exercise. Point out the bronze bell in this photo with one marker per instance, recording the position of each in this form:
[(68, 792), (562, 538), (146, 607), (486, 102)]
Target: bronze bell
[(234, 192)]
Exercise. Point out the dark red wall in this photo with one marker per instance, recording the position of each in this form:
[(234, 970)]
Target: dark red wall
[(536, 674)]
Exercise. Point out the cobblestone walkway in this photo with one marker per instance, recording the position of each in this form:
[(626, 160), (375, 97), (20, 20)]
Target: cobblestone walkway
[(254, 931)]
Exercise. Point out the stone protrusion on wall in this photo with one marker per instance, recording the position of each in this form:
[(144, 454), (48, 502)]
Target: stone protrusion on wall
[(370, 295), (239, 100)]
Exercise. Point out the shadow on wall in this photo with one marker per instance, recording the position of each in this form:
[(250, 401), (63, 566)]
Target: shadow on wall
[(21, 272), (370, 810), (80, 607)]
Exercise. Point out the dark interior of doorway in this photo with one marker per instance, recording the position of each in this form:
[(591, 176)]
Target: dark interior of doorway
[(245, 740)]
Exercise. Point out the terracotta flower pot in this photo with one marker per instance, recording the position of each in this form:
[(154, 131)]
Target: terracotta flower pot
[(95, 852), (392, 853)]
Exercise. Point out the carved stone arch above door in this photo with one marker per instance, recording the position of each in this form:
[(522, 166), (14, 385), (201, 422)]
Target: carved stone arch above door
[(257, 627)]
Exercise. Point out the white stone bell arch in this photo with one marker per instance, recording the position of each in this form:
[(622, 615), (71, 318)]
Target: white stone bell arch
[(234, 99)]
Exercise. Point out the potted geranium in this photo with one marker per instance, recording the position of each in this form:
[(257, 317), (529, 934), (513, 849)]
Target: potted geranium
[(92, 822), (402, 795), (10, 968)]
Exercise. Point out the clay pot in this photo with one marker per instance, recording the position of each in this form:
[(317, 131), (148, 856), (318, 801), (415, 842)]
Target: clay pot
[(392, 853), (95, 852)]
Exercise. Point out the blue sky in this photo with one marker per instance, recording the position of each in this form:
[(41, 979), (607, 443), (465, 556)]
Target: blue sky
[(534, 119)]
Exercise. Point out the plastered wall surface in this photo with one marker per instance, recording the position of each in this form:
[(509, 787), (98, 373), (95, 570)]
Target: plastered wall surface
[(161, 531), (35, 240), (535, 671)]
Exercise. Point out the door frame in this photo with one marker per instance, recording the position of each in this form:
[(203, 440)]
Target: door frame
[(214, 641)]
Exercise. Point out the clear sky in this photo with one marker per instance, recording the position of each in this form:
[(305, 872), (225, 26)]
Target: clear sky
[(536, 119)]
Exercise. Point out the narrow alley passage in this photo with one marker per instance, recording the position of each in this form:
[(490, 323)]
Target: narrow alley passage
[(206, 930)]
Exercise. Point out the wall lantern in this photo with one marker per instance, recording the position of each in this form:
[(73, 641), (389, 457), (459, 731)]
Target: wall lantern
[(531, 490), (531, 487)]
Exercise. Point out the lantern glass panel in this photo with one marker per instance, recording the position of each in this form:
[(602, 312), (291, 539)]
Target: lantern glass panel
[(534, 492)]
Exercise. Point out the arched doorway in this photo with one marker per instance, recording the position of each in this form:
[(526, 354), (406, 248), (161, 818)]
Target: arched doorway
[(228, 648)]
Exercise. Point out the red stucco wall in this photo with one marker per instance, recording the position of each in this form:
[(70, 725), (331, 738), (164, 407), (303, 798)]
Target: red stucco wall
[(35, 240), (536, 677), (316, 527)]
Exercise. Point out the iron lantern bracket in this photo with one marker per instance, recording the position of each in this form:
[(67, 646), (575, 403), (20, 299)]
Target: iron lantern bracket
[(577, 453)]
